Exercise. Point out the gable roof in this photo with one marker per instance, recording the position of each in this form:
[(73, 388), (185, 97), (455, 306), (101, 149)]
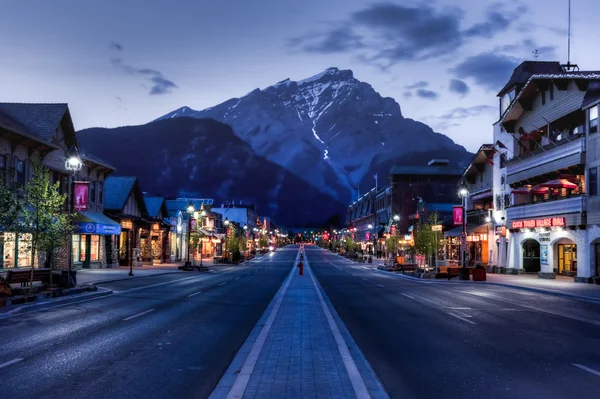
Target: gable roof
[(523, 72), (181, 204), (40, 120), (153, 204), (116, 191)]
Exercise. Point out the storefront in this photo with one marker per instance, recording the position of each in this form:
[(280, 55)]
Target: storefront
[(15, 250), (88, 246), (129, 244)]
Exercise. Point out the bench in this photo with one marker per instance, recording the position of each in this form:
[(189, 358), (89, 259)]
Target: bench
[(217, 259), (24, 276)]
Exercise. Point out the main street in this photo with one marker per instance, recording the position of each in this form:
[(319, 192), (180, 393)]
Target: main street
[(464, 340), (184, 334), (170, 340)]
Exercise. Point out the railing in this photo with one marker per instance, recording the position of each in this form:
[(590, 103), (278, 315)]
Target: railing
[(546, 159), (551, 207)]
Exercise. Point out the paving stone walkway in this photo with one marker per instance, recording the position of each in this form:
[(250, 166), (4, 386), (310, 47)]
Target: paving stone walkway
[(300, 358)]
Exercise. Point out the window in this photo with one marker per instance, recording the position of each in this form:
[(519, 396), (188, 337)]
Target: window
[(543, 97), (20, 171), (95, 247), (502, 160), (82, 251), (92, 192), (100, 192), (594, 119), (593, 189), (75, 248), (551, 92)]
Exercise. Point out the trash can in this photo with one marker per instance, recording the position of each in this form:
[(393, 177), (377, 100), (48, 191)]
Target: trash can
[(479, 273)]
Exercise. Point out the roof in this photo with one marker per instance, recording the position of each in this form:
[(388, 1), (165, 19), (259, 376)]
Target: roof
[(485, 152), (181, 204), (116, 191), (577, 76), (523, 72), (40, 120), (153, 205), (427, 170), (96, 160), (592, 95)]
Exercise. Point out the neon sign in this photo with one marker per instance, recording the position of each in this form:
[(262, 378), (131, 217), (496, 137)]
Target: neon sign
[(532, 223)]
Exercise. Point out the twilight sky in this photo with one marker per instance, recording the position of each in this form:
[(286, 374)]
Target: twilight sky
[(127, 62)]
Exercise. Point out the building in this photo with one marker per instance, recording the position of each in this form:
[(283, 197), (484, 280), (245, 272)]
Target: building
[(181, 214), (361, 218), (125, 204), (158, 217), (244, 215), (480, 238), (46, 131), (546, 189)]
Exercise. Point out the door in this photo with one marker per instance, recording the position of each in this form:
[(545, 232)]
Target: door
[(86, 246), (597, 258), (531, 256)]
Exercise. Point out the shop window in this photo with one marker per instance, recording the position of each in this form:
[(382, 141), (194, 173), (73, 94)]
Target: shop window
[(594, 119), (24, 250), (82, 251), (593, 177), (567, 258), (75, 248), (95, 248), (8, 250)]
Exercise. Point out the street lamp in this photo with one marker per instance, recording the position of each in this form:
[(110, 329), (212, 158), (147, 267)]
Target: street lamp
[(202, 215), (396, 218), (190, 210), (73, 164), (226, 222), (463, 193)]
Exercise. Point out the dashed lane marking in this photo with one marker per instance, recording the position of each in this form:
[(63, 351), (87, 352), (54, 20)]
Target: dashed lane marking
[(463, 318), (11, 362), (223, 283), (194, 294), (410, 297), (379, 285), (237, 278), (138, 315)]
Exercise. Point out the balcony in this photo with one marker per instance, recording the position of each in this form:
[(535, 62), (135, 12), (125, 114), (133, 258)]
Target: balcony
[(546, 159), (570, 208)]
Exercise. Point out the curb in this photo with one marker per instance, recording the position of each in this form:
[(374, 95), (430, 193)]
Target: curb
[(55, 303), (129, 278), (518, 287)]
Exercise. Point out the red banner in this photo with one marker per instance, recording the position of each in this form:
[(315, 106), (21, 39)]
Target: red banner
[(80, 196), (457, 212), (392, 229)]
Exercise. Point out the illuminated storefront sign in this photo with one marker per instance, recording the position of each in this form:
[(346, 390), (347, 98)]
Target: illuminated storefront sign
[(532, 223), (127, 224)]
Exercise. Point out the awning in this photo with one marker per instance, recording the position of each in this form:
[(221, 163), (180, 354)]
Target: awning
[(483, 195), (95, 223), (539, 190), (471, 228), (522, 190), (560, 183)]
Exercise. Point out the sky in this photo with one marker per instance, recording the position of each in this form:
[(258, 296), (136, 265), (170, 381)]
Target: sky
[(128, 62)]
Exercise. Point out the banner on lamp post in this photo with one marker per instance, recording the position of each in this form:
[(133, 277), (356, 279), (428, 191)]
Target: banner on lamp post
[(80, 196), (457, 213)]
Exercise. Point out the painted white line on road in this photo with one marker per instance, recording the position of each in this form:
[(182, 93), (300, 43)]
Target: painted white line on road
[(581, 366), (408, 296), (223, 283), (194, 294), (241, 382), (364, 267), (138, 315), (11, 362), (457, 308), (237, 278), (364, 279), (247, 274), (463, 318), (360, 389), (379, 285)]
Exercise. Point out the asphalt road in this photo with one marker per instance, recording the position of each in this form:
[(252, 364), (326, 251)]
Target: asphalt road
[(460, 340), (166, 336)]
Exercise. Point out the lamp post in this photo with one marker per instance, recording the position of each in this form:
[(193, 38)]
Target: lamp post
[(370, 227), (190, 210), (463, 193), (73, 164), (246, 237), (202, 215)]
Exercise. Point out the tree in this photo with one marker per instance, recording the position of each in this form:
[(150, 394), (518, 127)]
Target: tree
[(11, 204), (349, 244), (233, 245), (426, 240), (45, 219)]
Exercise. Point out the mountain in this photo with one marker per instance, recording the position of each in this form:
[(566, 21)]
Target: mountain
[(331, 130), (205, 158)]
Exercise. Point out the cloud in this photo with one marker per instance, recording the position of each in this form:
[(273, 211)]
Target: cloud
[(407, 95), (115, 46), (525, 48), (159, 84), (427, 94), (459, 87), (386, 33), (419, 85), (466, 112), (118, 98), (489, 70)]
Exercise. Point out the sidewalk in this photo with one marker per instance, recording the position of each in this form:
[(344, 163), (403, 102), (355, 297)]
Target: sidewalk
[(297, 353), (94, 276), (561, 285)]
